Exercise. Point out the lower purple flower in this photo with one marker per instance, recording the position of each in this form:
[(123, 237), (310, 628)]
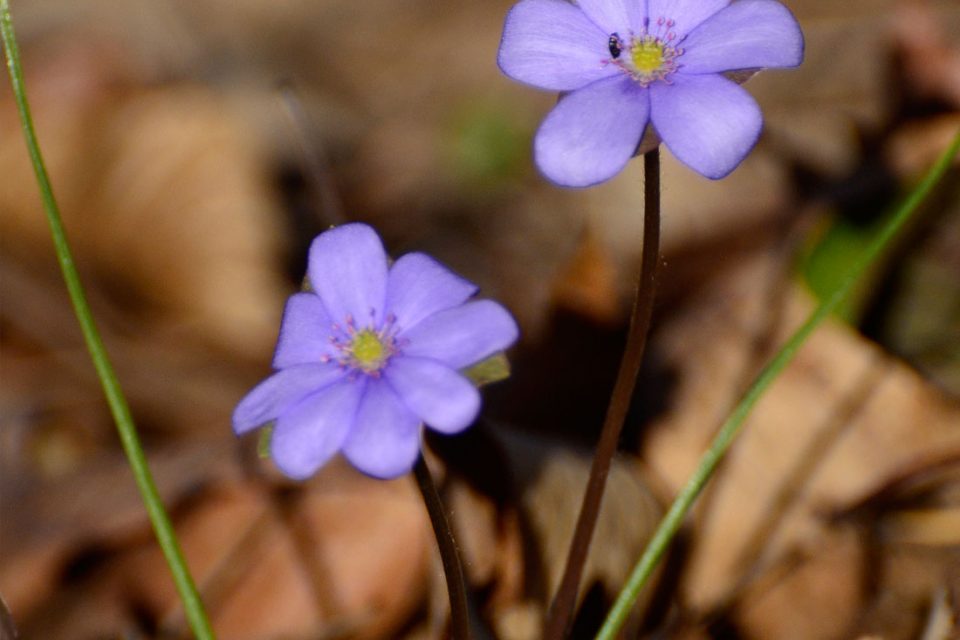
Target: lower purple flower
[(627, 64), (368, 356)]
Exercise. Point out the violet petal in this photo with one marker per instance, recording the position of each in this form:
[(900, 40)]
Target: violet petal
[(348, 270), (462, 336), (592, 133), (385, 439), (304, 332), (747, 34), (307, 435), (620, 16), (552, 45), (685, 14), (708, 122), (282, 390), (440, 396), (418, 286)]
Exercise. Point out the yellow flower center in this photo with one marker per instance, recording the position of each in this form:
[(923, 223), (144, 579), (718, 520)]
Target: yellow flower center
[(368, 350), (648, 55)]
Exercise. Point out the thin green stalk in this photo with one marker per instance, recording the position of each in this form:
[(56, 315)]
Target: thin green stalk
[(193, 607), (708, 463)]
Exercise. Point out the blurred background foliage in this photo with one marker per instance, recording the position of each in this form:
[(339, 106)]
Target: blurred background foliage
[(197, 147)]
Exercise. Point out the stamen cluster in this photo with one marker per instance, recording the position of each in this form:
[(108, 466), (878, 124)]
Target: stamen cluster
[(365, 350), (653, 56)]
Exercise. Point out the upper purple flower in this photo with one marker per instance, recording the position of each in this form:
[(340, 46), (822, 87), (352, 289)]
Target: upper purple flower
[(371, 353), (627, 63)]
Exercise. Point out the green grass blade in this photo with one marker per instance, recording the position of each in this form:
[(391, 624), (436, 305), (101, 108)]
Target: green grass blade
[(196, 616), (728, 431)]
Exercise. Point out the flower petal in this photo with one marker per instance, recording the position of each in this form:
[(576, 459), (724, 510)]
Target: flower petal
[(552, 45), (462, 336), (615, 15), (305, 332), (592, 133), (746, 35), (685, 14), (348, 270), (708, 122), (385, 439), (440, 396), (281, 391), (418, 286), (310, 433)]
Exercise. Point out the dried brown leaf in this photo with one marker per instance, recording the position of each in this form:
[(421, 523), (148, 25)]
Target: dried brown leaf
[(841, 419)]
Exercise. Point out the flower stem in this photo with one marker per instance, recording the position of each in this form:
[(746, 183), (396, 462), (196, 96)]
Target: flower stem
[(193, 607), (452, 569), (728, 431), (561, 610)]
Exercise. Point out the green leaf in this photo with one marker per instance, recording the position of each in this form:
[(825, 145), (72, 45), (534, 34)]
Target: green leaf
[(263, 443), (487, 147), (831, 258), (493, 369)]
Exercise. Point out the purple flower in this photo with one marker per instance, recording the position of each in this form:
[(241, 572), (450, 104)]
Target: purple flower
[(371, 353), (627, 63)]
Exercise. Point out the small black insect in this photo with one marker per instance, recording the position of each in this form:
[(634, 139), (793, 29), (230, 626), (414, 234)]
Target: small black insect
[(615, 46)]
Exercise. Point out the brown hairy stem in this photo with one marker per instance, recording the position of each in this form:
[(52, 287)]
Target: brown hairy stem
[(452, 569), (561, 610)]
